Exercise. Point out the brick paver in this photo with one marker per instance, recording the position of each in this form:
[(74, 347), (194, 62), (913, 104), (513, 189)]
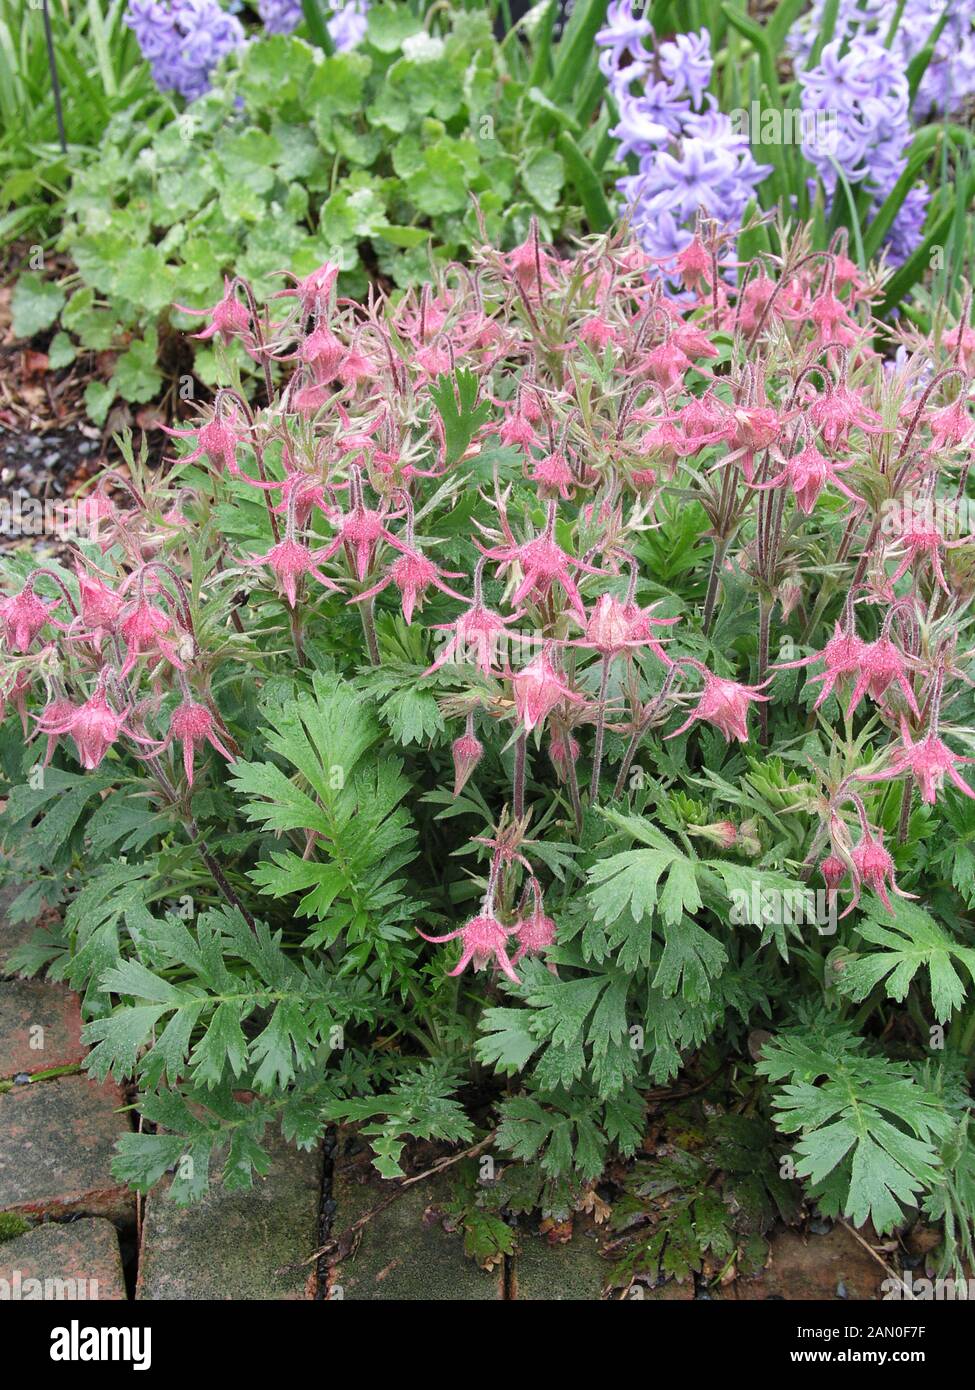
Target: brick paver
[(69, 1259), (40, 1027), (56, 1144)]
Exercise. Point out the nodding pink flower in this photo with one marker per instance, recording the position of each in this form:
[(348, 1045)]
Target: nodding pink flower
[(217, 439), (881, 664), (807, 473), (702, 422), (841, 655), (433, 361), (837, 412), (23, 616), (961, 340), (312, 291), (143, 630), (536, 932), (562, 750), (289, 561), (833, 322), (93, 726), (484, 939), (596, 332), (58, 714), (467, 752), (412, 573), (616, 626), (723, 703), (543, 563), (754, 301), (324, 353), (516, 428), (530, 265), (922, 537), (538, 688), (553, 474), (952, 426), (228, 316), (833, 871), (101, 609), (360, 530), (475, 633), (14, 692), (693, 263), (665, 364), (642, 622), (191, 725), (875, 868), (692, 341), (930, 760), (644, 479)]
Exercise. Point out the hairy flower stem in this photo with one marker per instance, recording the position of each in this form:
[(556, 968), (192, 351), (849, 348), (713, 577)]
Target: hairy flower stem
[(638, 733), (764, 623), (597, 757), (907, 796), (367, 612), (717, 560), (218, 875), (296, 635), (518, 797), (573, 780)]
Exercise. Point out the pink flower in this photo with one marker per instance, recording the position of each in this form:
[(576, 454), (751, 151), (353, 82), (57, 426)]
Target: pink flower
[(101, 608), (562, 749), (191, 725), (930, 760), (475, 632), (807, 473), (467, 752), (538, 688), (875, 868), (723, 703), (842, 656), (290, 560), (484, 939), (59, 713), (228, 316), (217, 439), (23, 616), (536, 932), (143, 630), (881, 665), (93, 726), (360, 530), (543, 563), (833, 871), (412, 573), (553, 474)]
